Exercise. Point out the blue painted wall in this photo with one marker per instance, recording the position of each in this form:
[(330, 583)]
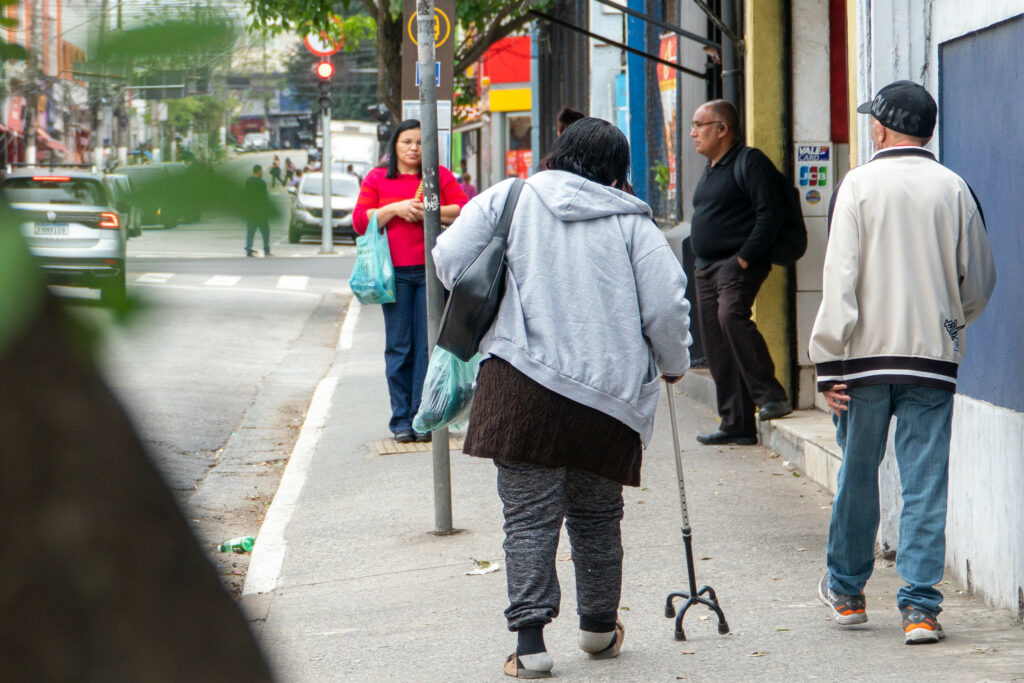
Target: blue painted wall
[(622, 103), (981, 81), (636, 69)]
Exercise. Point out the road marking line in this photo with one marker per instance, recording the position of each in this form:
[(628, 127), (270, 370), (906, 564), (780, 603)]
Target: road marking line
[(223, 281), (348, 328), (268, 553), (232, 290), (297, 282), (154, 278)]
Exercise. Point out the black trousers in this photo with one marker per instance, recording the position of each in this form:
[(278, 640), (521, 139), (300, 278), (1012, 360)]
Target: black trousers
[(737, 355)]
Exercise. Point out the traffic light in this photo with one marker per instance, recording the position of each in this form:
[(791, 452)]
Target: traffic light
[(324, 71), (385, 126)]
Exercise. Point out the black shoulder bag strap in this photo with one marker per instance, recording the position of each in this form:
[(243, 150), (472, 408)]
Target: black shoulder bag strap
[(476, 294), (505, 222), (739, 169)]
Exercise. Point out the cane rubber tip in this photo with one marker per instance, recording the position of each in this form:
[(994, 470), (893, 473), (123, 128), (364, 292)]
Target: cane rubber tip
[(723, 628), (680, 635), (670, 611)]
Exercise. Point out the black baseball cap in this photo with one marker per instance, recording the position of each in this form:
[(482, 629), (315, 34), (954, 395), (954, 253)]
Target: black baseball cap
[(905, 107)]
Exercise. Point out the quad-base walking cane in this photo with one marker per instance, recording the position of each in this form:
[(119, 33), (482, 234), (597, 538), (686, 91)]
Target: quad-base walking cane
[(694, 596)]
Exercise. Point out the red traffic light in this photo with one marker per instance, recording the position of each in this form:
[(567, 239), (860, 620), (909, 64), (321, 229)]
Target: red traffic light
[(324, 70)]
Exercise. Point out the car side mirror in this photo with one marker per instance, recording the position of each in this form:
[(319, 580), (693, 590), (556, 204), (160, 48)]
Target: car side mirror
[(291, 189)]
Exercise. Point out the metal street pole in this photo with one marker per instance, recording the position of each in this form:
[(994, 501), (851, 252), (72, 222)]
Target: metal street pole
[(425, 23), (326, 231)]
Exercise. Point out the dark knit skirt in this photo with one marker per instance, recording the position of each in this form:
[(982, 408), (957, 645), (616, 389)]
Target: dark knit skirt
[(515, 419)]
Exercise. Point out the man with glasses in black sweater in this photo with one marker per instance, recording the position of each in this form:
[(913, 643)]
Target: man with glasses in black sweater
[(733, 228)]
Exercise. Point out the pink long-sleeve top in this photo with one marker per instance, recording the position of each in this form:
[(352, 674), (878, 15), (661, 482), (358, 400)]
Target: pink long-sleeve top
[(404, 238)]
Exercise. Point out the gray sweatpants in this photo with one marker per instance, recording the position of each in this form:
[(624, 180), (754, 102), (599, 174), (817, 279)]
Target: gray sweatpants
[(536, 501)]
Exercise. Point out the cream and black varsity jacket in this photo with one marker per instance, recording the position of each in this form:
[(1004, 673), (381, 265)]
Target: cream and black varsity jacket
[(907, 268)]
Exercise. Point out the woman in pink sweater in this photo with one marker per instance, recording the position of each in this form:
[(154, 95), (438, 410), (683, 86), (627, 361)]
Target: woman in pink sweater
[(395, 193)]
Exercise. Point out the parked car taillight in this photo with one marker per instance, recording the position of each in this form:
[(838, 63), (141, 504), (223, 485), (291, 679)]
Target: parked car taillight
[(109, 220)]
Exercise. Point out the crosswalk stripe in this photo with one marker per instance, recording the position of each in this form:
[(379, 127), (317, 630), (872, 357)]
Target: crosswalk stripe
[(223, 281), (154, 278), (297, 282)]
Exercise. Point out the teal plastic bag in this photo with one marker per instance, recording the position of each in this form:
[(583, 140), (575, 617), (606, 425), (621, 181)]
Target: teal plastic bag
[(447, 391), (373, 276)]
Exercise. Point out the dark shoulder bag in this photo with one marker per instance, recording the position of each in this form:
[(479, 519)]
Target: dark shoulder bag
[(476, 295)]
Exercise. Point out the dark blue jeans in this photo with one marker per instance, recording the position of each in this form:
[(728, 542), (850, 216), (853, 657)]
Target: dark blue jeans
[(923, 424), (250, 231), (405, 353)]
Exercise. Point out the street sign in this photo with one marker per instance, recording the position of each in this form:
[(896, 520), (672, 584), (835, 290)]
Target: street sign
[(320, 45), (437, 74), (444, 67), (444, 17)]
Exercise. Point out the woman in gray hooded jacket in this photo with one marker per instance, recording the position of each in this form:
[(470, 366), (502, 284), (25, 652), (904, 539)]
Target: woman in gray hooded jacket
[(593, 312)]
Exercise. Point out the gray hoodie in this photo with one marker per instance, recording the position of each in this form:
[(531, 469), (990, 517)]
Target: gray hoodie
[(594, 305)]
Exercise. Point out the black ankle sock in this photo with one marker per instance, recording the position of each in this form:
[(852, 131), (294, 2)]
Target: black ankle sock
[(531, 640), (597, 624)]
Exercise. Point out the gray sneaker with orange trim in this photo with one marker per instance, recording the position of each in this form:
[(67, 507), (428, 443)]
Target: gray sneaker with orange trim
[(847, 609), (920, 626)]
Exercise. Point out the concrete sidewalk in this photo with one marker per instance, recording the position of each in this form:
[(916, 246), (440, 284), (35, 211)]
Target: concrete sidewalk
[(366, 593)]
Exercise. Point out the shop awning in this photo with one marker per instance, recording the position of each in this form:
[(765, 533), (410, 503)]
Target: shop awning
[(468, 126)]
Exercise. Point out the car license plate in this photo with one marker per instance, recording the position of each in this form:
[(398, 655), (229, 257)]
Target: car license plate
[(51, 229)]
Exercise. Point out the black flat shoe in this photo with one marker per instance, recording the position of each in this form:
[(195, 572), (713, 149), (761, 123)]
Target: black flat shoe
[(423, 437), (405, 436), (719, 438), (774, 409)]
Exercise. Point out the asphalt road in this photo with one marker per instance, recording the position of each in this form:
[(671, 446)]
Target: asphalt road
[(219, 359)]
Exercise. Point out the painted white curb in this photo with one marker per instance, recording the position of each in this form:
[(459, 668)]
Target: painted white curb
[(268, 553)]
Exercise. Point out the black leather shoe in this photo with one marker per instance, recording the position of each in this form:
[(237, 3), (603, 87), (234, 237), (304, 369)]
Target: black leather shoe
[(405, 436), (774, 409), (718, 438), (423, 437)]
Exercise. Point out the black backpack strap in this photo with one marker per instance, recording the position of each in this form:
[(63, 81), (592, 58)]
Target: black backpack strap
[(739, 168), (510, 206)]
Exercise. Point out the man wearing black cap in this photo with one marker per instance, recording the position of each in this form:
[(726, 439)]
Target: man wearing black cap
[(908, 267)]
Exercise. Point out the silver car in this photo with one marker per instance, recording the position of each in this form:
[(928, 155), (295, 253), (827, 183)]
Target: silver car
[(307, 206), (71, 226)]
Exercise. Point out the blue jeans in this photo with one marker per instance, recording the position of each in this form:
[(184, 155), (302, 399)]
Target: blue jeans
[(250, 232), (923, 422), (405, 353)]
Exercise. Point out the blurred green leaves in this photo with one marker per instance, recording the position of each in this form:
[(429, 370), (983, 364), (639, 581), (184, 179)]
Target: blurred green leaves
[(9, 50), (21, 285), (199, 189), (168, 40)]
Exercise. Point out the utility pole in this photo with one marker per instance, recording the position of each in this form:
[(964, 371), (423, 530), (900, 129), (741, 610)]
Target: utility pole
[(123, 118), (425, 22), (32, 85), (96, 99), (732, 57), (324, 71)]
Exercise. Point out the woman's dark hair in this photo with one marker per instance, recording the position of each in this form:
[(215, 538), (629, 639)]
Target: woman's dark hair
[(408, 124), (594, 149)]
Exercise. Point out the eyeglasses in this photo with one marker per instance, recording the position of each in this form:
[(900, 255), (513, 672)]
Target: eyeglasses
[(694, 125)]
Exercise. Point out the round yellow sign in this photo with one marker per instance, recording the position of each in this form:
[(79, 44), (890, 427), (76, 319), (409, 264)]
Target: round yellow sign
[(442, 28)]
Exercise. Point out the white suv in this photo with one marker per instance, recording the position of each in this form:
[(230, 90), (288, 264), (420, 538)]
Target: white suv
[(308, 204)]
